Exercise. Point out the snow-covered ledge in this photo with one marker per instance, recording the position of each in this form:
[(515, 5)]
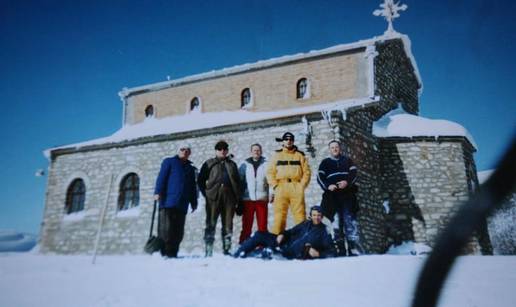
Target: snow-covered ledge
[(74, 217), (129, 213), (398, 123), (196, 121)]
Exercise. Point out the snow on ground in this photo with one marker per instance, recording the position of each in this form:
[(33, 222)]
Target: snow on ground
[(409, 248), (30, 279)]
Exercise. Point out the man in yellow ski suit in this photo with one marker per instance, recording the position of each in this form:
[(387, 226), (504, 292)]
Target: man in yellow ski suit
[(288, 176)]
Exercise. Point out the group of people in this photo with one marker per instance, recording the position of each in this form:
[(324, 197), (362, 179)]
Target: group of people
[(247, 190)]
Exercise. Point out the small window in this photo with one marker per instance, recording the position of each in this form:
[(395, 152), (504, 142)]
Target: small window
[(302, 89), (246, 98), (195, 104), (75, 196), (149, 111), (129, 196)]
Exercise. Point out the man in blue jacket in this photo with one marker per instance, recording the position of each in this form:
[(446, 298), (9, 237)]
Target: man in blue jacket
[(306, 240), (175, 189), (337, 176)]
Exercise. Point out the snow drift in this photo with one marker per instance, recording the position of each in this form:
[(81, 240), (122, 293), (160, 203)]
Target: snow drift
[(12, 241)]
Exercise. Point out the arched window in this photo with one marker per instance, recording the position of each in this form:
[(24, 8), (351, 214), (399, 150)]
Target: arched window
[(195, 104), (302, 89), (149, 111), (75, 196), (129, 196), (245, 98)]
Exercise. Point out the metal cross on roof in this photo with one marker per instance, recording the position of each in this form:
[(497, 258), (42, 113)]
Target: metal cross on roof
[(389, 10)]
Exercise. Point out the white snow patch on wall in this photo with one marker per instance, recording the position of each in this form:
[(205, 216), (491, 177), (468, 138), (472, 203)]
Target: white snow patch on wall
[(131, 212), (386, 206), (75, 216)]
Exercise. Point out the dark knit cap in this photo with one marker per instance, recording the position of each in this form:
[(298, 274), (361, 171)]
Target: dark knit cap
[(221, 145)]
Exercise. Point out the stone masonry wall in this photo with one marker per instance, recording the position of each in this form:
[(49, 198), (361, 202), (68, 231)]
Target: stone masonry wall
[(425, 181), (395, 78), (362, 147), (127, 231), (502, 229)]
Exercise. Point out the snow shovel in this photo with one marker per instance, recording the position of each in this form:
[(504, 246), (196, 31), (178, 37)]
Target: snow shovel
[(154, 243)]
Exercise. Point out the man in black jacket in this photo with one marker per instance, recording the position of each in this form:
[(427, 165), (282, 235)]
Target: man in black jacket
[(337, 175), (306, 240), (219, 183)]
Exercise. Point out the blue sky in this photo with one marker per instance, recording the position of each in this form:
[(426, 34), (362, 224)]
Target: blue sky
[(63, 64)]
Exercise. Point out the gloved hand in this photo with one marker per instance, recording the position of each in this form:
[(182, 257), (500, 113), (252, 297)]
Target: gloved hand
[(194, 207), (239, 209)]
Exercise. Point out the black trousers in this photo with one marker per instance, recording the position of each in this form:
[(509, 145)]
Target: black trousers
[(171, 228)]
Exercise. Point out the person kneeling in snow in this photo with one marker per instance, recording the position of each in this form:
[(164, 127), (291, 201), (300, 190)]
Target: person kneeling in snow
[(306, 240)]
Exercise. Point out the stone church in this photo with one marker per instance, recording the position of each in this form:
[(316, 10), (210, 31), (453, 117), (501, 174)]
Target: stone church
[(409, 186)]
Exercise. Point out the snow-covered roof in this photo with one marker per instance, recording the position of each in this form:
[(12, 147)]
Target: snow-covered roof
[(279, 60), (398, 123), (196, 121)]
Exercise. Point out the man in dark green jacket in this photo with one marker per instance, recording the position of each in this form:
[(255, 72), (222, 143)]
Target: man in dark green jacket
[(219, 183)]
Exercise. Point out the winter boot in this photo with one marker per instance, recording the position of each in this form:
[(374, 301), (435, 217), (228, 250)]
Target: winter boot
[(306, 251), (208, 249), (355, 248), (267, 254), (226, 244), (240, 254), (340, 243)]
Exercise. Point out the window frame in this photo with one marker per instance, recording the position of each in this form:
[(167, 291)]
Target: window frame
[(246, 98), (151, 107), (306, 92), (192, 109), (75, 196), (129, 192)]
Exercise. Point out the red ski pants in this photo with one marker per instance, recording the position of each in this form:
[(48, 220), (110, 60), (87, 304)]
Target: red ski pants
[(250, 207)]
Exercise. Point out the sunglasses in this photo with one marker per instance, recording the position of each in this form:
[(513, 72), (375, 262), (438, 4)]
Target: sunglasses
[(184, 149), (288, 139)]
